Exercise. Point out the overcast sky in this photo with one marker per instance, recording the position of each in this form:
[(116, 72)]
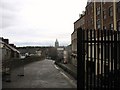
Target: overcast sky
[(39, 22)]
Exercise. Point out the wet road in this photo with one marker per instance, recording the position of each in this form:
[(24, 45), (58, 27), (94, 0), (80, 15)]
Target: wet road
[(40, 74)]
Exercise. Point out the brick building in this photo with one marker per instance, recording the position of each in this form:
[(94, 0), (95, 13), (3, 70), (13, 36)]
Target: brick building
[(89, 16), (98, 15), (74, 47), (79, 23), (118, 16), (102, 15)]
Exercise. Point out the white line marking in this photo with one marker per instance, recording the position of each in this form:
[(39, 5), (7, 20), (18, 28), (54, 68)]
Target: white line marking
[(70, 80), (56, 67)]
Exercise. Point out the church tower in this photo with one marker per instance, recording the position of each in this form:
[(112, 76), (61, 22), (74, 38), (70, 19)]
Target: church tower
[(56, 43)]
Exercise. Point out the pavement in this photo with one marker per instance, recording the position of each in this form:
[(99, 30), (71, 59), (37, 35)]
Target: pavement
[(69, 68), (39, 74)]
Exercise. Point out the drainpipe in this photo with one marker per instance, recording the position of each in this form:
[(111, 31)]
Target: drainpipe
[(94, 2), (94, 15), (101, 15), (114, 15)]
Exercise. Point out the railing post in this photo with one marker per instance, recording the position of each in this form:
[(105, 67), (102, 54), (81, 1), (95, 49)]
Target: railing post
[(115, 60), (80, 60)]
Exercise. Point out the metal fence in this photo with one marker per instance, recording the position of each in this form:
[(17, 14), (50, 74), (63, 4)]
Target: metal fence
[(98, 59)]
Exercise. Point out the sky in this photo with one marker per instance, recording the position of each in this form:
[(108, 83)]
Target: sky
[(39, 22)]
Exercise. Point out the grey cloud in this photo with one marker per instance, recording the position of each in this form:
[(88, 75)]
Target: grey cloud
[(23, 32), (6, 22), (8, 12), (14, 28), (12, 5)]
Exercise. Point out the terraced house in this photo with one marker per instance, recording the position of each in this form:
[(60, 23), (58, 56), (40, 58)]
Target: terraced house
[(8, 51)]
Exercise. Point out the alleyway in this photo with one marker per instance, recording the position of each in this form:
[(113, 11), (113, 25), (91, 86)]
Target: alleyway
[(40, 74)]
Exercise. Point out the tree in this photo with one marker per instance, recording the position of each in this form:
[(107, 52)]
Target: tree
[(52, 52)]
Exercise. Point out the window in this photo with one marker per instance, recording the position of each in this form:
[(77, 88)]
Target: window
[(92, 20), (98, 10), (1, 45), (87, 11), (104, 27), (104, 14), (92, 8), (87, 22), (111, 11), (118, 25), (98, 23), (118, 9), (111, 26)]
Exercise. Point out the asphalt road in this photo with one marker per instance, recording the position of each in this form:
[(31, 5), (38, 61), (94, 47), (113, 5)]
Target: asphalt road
[(40, 74)]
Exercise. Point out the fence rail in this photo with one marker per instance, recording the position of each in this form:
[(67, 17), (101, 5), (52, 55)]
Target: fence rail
[(98, 59)]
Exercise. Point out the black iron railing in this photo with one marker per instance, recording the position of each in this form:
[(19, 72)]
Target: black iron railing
[(98, 58)]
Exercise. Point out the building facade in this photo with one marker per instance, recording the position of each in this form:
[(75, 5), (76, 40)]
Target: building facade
[(7, 54), (74, 48), (97, 15), (8, 51), (67, 54), (118, 16), (102, 15), (77, 24)]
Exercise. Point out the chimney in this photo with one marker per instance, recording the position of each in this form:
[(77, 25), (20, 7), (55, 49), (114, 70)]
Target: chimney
[(6, 41), (12, 45), (83, 12), (1, 38)]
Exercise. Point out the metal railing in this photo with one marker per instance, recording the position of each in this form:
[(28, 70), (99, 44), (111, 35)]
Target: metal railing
[(98, 59)]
